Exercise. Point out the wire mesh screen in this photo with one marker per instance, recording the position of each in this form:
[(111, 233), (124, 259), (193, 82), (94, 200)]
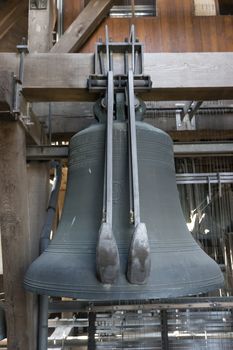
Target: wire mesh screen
[(183, 329), (196, 329), (208, 210), (128, 330)]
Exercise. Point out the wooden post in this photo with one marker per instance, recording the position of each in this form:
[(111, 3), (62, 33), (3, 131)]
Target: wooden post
[(15, 233), (40, 27), (6, 90), (38, 190)]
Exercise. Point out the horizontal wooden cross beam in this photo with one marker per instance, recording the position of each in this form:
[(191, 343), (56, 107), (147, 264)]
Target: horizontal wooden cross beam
[(202, 149), (175, 76)]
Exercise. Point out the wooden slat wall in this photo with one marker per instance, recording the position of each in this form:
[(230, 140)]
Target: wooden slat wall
[(175, 29), (18, 30), (72, 8)]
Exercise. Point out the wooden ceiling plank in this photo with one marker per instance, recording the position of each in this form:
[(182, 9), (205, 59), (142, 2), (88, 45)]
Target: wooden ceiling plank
[(84, 25)]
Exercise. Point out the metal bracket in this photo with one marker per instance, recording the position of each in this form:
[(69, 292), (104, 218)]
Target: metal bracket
[(185, 117), (98, 83), (18, 81), (38, 4), (119, 58)]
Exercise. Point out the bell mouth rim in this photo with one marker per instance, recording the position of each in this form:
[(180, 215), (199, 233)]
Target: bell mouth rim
[(88, 297), (134, 292)]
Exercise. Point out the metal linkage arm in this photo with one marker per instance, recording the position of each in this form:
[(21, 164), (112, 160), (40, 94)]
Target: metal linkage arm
[(139, 263), (107, 255)]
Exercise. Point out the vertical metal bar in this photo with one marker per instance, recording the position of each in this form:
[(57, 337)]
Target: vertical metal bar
[(132, 39), (164, 330), (107, 48), (136, 70), (133, 146), (91, 331), (50, 123), (133, 8), (126, 61), (60, 18), (106, 257), (100, 56), (109, 148), (21, 66), (111, 60), (131, 201), (209, 189), (43, 322)]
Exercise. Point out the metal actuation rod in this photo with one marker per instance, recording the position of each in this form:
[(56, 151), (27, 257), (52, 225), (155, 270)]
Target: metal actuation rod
[(139, 263), (107, 255)]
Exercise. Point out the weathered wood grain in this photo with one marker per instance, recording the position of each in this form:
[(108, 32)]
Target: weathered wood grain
[(175, 76), (6, 91), (10, 15), (40, 27), (83, 26), (38, 193), (14, 232)]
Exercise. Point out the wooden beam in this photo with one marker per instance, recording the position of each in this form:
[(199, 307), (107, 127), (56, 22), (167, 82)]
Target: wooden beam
[(200, 149), (38, 190), (175, 76), (35, 132), (6, 90), (15, 233), (64, 124), (85, 109), (84, 25), (11, 14), (9, 62), (40, 27), (201, 135), (63, 109)]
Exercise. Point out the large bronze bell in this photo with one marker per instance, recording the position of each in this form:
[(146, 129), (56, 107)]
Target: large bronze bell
[(178, 266)]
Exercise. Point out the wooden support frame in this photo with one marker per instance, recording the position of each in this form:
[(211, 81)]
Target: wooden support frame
[(6, 91), (40, 27), (175, 76), (15, 233), (35, 133), (84, 25), (202, 149), (38, 195)]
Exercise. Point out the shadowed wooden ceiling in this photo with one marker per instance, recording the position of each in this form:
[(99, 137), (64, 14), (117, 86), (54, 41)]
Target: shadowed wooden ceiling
[(174, 29)]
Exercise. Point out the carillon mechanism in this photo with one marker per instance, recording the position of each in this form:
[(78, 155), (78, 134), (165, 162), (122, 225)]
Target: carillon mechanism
[(122, 234), (107, 256)]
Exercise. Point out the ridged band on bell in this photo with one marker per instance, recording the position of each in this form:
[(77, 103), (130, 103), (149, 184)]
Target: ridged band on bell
[(68, 266)]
